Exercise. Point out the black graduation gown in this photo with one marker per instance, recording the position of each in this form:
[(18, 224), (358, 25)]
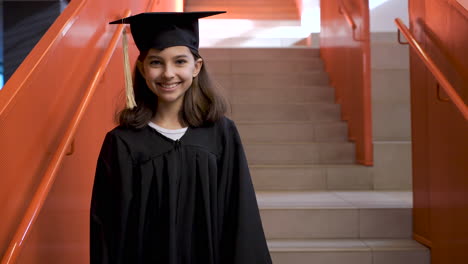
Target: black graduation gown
[(156, 200)]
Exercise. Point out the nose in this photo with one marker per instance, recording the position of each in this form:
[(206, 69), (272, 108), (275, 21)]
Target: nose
[(168, 72)]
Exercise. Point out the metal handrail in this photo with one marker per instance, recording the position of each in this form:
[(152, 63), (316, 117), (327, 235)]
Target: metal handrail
[(448, 88), (46, 183), (349, 19), (342, 10)]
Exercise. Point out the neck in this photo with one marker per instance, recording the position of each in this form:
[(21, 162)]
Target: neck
[(167, 115)]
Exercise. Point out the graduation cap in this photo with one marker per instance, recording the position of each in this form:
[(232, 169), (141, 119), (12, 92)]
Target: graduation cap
[(160, 30)]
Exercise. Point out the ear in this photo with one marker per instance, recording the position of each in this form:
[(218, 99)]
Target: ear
[(141, 68), (198, 66)]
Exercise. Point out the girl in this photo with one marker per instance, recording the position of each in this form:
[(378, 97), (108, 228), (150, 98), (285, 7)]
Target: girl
[(172, 183)]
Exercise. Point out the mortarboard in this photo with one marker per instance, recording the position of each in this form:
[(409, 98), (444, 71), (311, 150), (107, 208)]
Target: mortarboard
[(160, 30)]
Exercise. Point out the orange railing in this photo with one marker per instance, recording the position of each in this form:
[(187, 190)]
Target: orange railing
[(40, 117), (49, 177), (448, 88), (345, 49), (349, 18)]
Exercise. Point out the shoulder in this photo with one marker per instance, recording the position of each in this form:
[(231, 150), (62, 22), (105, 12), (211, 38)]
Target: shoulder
[(126, 138), (126, 135), (228, 129), (219, 128), (226, 125)]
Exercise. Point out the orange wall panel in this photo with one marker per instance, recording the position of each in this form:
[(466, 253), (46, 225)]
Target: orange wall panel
[(340, 47), (440, 133)]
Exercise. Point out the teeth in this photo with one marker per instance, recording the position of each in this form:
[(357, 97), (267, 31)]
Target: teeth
[(169, 85)]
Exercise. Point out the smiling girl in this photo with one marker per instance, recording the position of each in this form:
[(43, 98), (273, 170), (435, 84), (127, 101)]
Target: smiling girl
[(172, 183)]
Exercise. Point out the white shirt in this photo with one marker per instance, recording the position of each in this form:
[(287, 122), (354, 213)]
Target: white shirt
[(173, 134)]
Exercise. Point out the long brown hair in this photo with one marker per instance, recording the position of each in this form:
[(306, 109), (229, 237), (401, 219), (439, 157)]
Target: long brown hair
[(203, 103)]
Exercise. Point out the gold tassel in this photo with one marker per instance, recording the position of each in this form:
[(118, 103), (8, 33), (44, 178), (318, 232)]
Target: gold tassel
[(128, 74)]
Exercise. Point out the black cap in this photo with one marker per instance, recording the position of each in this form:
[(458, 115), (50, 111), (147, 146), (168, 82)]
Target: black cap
[(160, 30)]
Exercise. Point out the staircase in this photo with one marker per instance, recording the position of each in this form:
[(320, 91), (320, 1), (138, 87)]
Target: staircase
[(316, 204), (247, 9)]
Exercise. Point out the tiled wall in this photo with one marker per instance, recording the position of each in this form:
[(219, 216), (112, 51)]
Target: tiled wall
[(391, 112), (383, 12)]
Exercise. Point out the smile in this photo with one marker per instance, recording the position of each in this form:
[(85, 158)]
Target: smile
[(168, 86)]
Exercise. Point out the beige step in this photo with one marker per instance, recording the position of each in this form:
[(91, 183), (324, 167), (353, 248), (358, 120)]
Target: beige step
[(318, 112), (252, 28), (335, 214), (313, 94), (258, 66), (300, 153), (311, 177), (251, 42), (283, 251), (249, 12), (257, 16), (293, 131), (241, 2), (265, 54), (252, 8), (270, 80), (245, 13), (348, 251)]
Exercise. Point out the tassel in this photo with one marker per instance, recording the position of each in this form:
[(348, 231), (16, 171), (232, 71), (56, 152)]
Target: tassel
[(128, 74)]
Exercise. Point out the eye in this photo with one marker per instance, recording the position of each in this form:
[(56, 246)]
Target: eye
[(155, 63), (181, 61)]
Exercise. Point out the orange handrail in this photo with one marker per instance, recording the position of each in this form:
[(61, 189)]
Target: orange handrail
[(57, 32), (448, 88), (349, 19), (347, 16), (42, 191)]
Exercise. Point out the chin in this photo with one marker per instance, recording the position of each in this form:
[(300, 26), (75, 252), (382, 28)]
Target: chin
[(170, 99)]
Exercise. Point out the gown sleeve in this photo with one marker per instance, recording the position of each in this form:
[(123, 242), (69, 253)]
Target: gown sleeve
[(110, 202), (243, 239)]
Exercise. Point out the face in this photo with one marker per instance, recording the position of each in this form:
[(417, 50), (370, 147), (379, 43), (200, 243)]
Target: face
[(169, 73)]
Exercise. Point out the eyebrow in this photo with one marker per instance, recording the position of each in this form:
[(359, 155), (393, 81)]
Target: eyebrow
[(158, 57)]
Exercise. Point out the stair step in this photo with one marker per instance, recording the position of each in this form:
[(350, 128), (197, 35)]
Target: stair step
[(282, 95), (349, 251), (283, 251), (252, 8), (311, 177), (257, 66), (300, 153), (255, 16), (254, 29), (239, 2), (265, 54), (249, 14), (269, 80), (279, 112), (250, 42), (293, 131), (335, 214)]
